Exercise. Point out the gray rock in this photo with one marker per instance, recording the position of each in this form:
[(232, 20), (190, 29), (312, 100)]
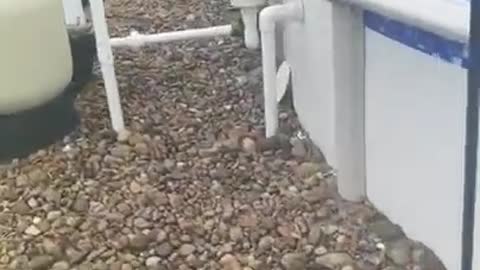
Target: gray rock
[(249, 145), (53, 215), (32, 202), (33, 230), (20, 262), (386, 230), (186, 249), (334, 260), (160, 236), (124, 209), (236, 234), (126, 266), (399, 251), (135, 187), (123, 135), (265, 243), (37, 176), (321, 250), (230, 262), (153, 262), (75, 256), (141, 223), (117, 265), (141, 148), (81, 204), (393, 268), (316, 194), (164, 250), (315, 234), (307, 169), (139, 242), (41, 262), (52, 196), (426, 258), (62, 265), (43, 226), (169, 164), (176, 201), (100, 266), (294, 261), (85, 266), (298, 148), (121, 151), (21, 207), (52, 248)]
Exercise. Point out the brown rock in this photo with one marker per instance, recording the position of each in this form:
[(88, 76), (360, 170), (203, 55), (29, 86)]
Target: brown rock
[(135, 187), (236, 234), (247, 220), (249, 145), (230, 262), (81, 204), (164, 250), (317, 194), (315, 234), (41, 262), (294, 261), (186, 249), (139, 242), (21, 208), (333, 260)]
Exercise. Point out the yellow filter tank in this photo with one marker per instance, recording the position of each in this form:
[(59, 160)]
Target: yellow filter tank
[(35, 55)]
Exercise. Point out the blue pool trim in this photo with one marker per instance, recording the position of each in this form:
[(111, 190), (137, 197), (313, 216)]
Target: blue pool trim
[(448, 50)]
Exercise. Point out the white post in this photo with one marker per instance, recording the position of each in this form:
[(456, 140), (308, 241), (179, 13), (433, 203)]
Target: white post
[(74, 13), (349, 67), (105, 57)]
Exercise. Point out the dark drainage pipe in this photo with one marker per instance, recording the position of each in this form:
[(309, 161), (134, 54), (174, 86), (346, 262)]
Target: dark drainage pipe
[(471, 146)]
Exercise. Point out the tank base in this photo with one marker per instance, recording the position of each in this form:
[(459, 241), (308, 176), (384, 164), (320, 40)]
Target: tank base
[(29, 131), (26, 132)]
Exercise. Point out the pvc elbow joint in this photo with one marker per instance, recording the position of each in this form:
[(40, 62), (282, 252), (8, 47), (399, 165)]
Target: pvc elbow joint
[(271, 15)]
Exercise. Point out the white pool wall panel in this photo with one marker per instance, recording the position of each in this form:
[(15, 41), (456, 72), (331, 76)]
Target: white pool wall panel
[(415, 139), (414, 119)]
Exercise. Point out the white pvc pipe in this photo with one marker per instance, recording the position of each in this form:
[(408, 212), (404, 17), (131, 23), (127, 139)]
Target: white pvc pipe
[(105, 57), (424, 14), (137, 40), (74, 13), (268, 18), (250, 22)]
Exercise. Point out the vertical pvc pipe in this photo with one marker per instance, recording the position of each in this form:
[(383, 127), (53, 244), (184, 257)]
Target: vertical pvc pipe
[(471, 147), (105, 57), (349, 72), (269, 83), (269, 17), (74, 14)]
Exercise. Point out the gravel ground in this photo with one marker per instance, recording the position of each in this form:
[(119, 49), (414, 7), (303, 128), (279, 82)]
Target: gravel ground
[(195, 186)]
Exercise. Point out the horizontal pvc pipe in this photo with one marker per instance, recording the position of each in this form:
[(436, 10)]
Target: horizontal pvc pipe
[(137, 40), (445, 18)]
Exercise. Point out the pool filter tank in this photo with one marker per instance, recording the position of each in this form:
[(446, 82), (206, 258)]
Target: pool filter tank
[(38, 80)]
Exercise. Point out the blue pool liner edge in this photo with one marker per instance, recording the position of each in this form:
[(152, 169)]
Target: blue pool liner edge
[(429, 43)]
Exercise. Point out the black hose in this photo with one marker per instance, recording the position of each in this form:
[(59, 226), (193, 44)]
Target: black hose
[(471, 147)]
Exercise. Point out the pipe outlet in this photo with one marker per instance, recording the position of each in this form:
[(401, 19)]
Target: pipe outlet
[(249, 10), (269, 17)]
